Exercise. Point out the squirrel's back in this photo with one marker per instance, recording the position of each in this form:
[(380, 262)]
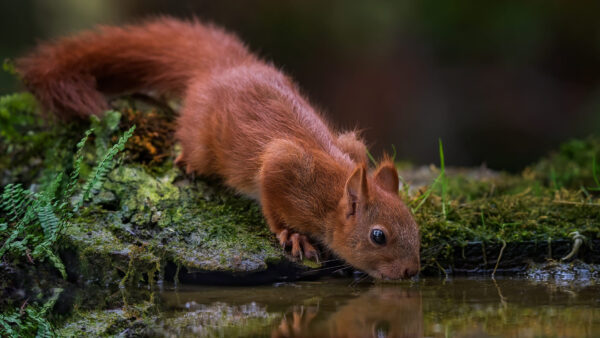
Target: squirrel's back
[(70, 76)]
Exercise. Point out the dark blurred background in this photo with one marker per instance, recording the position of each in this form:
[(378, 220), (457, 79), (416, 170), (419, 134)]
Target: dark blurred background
[(501, 82)]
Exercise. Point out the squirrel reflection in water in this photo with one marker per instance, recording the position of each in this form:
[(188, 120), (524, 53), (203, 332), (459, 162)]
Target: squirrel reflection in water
[(382, 311)]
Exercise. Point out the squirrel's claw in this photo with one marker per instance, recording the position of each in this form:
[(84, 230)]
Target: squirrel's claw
[(300, 244), (283, 237), (309, 251), (296, 250)]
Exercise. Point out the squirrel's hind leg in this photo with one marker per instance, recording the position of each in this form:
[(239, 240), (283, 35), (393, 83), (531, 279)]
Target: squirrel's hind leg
[(196, 156)]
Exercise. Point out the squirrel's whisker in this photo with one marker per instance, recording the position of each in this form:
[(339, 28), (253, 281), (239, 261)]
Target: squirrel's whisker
[(339, 267)]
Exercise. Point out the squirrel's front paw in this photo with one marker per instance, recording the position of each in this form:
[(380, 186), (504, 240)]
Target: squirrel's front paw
[(299, 243)]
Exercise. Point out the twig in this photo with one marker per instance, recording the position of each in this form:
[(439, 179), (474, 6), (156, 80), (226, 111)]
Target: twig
[(499, 258), (524, 192), (22, 309), (578, 240), (483, 253), (28, 254), (576, 203), (502, 298), (440, 267)]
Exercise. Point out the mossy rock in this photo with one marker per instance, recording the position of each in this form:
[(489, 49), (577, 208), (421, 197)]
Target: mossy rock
[(141, 222), (480, 221), (148, 221)]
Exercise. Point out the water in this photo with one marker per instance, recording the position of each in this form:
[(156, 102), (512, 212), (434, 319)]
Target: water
[(458, 307)]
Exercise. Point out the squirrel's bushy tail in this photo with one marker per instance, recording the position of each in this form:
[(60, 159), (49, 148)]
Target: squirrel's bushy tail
[(70, 76)]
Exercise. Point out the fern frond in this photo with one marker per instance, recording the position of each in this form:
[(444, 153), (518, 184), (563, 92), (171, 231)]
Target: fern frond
[(32, 321), (51, 193), (78, 159), (98, 175), (34, 221), (15, 201), (49, 222), (20, 204), (44, 250), (10, 244), (7, 320)]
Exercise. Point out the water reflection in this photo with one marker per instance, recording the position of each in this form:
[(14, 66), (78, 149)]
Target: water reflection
[(321, 309), (461, 307), (338, 308), (382, 311)]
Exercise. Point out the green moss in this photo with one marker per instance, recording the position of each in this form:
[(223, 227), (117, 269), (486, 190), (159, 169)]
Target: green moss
[(24, 139), (512, 208), (572, 166), (199, 225)]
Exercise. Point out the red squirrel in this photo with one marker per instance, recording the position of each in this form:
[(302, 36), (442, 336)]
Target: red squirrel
[(246, 122)]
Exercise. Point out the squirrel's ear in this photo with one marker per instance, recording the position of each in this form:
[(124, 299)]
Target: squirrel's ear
[(386, 177), (357, 191)]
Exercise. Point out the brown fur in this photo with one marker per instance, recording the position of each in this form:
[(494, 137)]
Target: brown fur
[(246, 122)]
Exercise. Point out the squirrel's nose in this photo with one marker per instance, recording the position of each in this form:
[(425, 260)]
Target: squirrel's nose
[(410, 271), (406, 273), (402, 271)]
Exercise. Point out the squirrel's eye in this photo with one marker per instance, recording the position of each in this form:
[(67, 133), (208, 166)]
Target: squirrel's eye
[(377, 236)]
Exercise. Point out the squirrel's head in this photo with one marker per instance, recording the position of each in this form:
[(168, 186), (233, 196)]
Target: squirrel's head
[(376, 232)]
